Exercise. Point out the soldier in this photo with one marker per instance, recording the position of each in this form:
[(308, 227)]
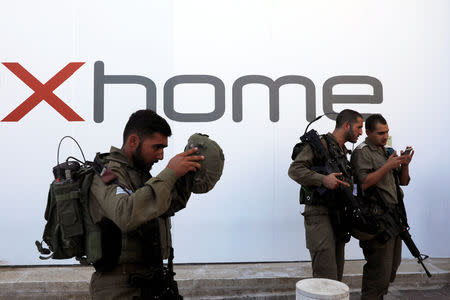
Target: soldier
[(324, 238), (375, 168), (133, 210)]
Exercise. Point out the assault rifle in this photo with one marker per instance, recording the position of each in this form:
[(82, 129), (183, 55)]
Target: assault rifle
[(353, 211), (396, 224), (406, 237)]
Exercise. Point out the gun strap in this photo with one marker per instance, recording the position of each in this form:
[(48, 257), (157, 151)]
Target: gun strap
[(170, 261), (401, 204)]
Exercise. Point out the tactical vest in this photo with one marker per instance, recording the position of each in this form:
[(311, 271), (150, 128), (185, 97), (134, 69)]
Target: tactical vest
[(310, 195), (142, 246), (380, 210), (139, 249)]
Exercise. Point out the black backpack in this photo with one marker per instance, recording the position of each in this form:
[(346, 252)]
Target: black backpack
[(69, 231)]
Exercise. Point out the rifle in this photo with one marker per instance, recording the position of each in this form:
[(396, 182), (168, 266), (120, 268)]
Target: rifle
[(396, 224), (354, 213), (160, 282), (160, 285), (406, 237)]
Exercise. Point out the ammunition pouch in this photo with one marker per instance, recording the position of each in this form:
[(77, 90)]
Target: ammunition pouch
[(390, 220), (311, 196), (339, 222), (149, 236), (365, 223), (111, 241), (380, 221)]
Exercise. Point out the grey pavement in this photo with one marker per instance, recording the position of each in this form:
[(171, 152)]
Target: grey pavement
[(226, 281), (442, 293)]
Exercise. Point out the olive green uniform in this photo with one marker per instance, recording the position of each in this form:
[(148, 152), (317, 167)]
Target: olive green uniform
[(383, 260), (326, 249), (130, 201)]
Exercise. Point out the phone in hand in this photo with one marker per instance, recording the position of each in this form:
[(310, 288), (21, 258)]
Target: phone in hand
[(407, 151)]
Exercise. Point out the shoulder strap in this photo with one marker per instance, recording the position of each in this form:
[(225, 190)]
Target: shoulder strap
[(362, 145), (401, 204), (313, 138)]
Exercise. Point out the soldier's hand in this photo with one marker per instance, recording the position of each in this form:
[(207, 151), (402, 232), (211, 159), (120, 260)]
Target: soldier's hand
[(185, 162), (395, 161), (407, 157), (331, 181)]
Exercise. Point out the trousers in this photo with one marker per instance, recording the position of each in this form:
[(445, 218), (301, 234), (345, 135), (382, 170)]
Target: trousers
[(326, 250), (382, 262)]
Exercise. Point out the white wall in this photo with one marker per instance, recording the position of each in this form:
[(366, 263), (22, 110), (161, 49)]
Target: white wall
[(253, 213)]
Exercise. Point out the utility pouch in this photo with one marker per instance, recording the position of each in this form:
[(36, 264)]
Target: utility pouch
[(311, 196), (339, 223), (67, 197), (306, 195)]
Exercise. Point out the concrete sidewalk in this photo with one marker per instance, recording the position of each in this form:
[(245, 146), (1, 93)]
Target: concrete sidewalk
[(224, 281)]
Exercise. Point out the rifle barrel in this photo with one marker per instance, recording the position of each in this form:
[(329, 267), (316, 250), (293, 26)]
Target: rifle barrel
[(419, 260)]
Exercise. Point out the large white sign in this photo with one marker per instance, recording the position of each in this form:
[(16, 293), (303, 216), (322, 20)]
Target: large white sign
[(251, 74)]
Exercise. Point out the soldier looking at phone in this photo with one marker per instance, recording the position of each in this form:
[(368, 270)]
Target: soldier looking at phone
[(379, 169)]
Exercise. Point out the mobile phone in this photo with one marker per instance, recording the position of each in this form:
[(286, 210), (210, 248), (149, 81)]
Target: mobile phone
[(390, 150), (407, 151)]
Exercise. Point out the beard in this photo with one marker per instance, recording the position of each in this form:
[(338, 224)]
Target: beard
[(139, 161), (351, 137)]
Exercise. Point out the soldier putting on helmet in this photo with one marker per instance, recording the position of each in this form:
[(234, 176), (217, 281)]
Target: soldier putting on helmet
[(133, 210), (379, 175), (321, 192)]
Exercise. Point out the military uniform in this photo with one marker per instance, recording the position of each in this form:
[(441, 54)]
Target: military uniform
[(322, 240), (139, 207), (383, 260)]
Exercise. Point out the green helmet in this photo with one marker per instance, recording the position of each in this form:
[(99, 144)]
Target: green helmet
[(212, 166)]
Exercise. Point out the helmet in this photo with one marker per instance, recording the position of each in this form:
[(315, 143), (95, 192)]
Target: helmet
[(211, 167)]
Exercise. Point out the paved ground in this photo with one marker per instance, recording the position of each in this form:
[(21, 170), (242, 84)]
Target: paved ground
[(395, 294), (256, 281)]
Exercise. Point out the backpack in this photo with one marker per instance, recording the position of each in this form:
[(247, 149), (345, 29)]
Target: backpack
[(69, 231)]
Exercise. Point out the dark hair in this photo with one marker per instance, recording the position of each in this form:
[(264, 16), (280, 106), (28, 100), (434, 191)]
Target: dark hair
[(373, 120), (144, 123), (347, 115)]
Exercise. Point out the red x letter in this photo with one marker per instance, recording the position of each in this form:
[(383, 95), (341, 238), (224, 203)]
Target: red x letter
[(43, 92)]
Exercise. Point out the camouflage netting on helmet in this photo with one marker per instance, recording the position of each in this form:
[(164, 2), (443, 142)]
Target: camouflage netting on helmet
[(212, 166)]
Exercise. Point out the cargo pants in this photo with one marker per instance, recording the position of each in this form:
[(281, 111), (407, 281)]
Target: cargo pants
[(382, 262), (327, 252), (112, 286)]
